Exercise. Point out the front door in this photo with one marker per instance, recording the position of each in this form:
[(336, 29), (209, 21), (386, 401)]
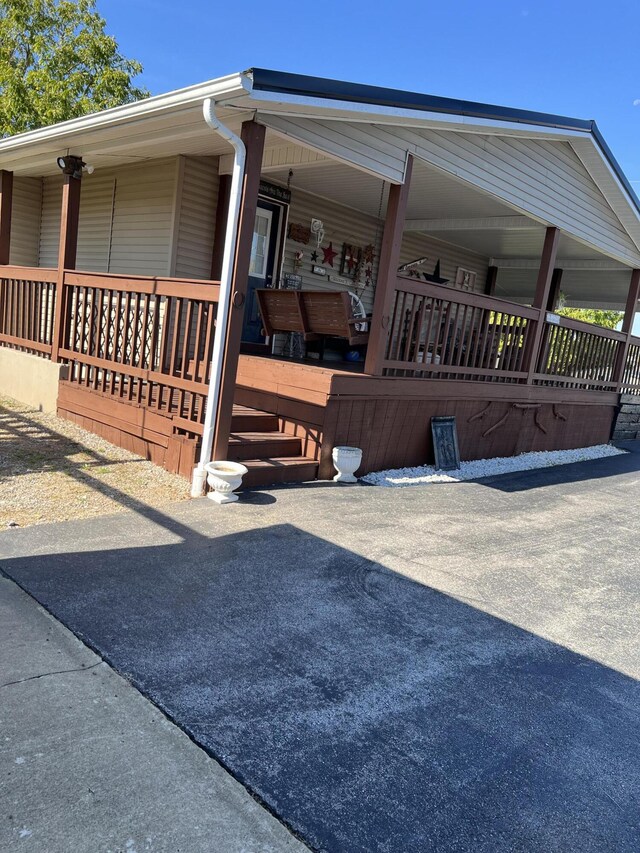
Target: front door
[(264, 251)]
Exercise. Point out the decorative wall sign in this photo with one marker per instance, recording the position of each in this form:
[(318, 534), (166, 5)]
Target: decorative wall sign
[(411, 268), (318, 270), (299, 233), (291, 282), (329, 255), (275, 192), (445, 443), (466, 279), (351, 260), (338, 279)]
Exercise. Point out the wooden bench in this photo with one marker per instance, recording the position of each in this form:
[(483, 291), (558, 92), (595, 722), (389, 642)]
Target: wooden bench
[(314, 313)]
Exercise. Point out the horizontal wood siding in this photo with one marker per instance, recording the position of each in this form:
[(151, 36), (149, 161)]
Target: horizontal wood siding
[(25, 221), (196, 211)]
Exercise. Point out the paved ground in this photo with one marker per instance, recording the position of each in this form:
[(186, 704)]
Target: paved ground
[(448, 668), (52, 470), (88, 765)]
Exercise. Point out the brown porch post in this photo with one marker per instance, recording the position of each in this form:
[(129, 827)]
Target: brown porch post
[(627, 325), (222, 211), (67, 250), (490, 283), (6, 198), (554, 290), (253, 137), (387, 272), (543, 287)]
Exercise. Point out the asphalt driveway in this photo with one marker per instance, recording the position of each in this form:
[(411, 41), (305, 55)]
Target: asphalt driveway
[(445, 668)]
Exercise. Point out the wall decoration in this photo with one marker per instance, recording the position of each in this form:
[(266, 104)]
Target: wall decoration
[(318, 270), (435, 277), (465, 279), (299, 233), (317, 229), (314, 257), (368, 257), (297, 260), (351, 261), (275, 192), (329, 255), (412, 267)]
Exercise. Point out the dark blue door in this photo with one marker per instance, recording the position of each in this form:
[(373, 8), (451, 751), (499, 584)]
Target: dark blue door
[(264, 250)]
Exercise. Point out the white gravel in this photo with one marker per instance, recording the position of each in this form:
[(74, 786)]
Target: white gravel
[(399, 477)]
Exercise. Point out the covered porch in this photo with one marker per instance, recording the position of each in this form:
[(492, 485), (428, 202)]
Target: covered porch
[(470, 332)]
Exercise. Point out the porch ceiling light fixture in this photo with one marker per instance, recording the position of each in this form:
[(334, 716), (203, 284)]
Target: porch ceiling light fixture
[(73, 165)]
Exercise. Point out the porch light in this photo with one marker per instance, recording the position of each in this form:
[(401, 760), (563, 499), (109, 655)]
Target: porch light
[(73, 165)]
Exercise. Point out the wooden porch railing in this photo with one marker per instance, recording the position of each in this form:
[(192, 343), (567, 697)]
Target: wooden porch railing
[(142, 340), (574, 354), (27, 302), (440, 332)]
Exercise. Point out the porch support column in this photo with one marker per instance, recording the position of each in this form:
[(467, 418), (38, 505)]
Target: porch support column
[(490, 283), (222, 211), (67, 251), (627, 325), (554, 290), (387, 272), (541, 298), (6, 198), (253, 137)]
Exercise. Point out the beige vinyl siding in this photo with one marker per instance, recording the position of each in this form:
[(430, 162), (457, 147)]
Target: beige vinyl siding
[(94, 226), (25, 221), (196, 213), (126, 218), (50, 221), (353, 143), (345, 225), (539, 177), (545, 179), (143, 218), (341, 225), (451, 257)]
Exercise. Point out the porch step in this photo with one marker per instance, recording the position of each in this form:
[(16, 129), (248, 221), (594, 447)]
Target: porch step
[(252, 420), (260, 445), (274, 471)]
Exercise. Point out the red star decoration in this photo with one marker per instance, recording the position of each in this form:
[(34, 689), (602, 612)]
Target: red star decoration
[(329, 255)]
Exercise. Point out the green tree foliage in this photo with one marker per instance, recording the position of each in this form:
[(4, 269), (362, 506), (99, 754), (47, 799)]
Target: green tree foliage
[(608, 319), (57, 63)]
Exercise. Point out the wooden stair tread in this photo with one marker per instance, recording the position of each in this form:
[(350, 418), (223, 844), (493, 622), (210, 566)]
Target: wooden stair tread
[(279, 462), (251, 437), (270, 471)]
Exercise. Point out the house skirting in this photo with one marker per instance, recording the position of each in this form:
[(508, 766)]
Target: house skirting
[(30, 379)]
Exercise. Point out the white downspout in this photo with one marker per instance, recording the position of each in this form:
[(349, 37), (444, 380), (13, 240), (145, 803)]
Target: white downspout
[(226, 276)]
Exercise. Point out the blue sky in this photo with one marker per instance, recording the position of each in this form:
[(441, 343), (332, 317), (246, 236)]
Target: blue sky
[(573, 58)]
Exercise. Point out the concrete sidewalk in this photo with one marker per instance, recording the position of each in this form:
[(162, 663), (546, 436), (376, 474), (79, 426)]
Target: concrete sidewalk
[(88, 765)]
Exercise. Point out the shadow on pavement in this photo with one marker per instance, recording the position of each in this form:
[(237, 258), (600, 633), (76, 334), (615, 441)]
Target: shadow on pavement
[(369, 712)]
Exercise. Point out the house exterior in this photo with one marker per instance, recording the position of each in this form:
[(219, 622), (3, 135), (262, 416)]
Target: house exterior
[(457, 225)]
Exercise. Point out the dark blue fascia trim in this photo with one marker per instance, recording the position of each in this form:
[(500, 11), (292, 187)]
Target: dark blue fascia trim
[(319, 87)]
